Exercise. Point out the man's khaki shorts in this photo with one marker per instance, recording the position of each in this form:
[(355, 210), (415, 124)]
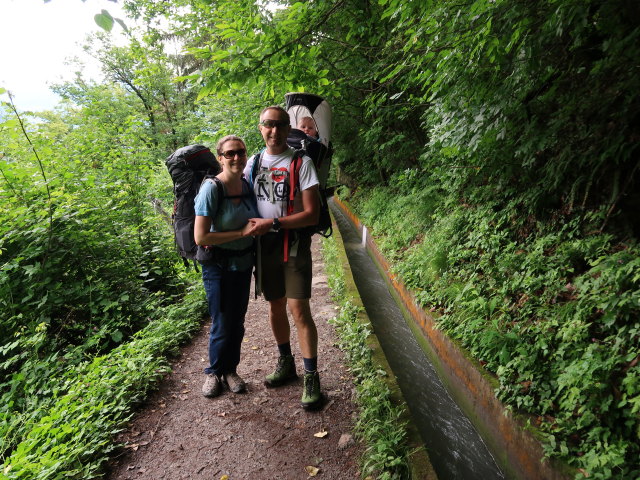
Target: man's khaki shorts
[(291, 279)]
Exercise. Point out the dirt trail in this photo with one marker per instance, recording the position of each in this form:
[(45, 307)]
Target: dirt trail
[(263, 434)]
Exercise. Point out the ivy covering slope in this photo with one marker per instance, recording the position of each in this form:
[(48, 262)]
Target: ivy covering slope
[(521, 227)]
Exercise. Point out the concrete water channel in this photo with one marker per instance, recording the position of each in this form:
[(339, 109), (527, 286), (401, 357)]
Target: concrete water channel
[(455, 448)]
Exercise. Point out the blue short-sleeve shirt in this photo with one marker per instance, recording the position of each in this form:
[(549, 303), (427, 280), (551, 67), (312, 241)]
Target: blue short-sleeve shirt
[(228, 216)]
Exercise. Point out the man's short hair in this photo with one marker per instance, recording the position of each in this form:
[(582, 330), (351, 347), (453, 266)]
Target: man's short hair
[(278, 108)]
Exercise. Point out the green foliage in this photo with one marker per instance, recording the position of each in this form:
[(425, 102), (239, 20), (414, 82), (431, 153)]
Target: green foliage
[(488, 98), (406, 210), (104, 20), (85, 263), (491, 146), (70, 435), (380, 422), (142, 93), (551, 309)]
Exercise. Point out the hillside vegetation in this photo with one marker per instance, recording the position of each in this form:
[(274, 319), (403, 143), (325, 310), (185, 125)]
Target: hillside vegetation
[(491, 146)]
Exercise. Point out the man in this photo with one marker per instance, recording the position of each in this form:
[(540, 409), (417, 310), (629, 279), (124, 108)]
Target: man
[(285, 251)]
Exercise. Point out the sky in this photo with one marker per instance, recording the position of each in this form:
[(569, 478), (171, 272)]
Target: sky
[(35, 40)]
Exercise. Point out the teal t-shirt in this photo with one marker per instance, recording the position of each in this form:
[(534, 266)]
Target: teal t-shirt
[(230, 216)]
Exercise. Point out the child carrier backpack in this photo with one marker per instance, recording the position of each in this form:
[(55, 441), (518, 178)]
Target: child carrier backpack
[(321, 157), (300, 105), (188, 167)]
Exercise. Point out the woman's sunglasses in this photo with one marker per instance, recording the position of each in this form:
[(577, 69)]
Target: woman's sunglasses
[(232, 153)]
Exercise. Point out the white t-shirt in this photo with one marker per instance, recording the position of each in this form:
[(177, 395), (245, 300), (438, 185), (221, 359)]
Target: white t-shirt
[(271, 184)]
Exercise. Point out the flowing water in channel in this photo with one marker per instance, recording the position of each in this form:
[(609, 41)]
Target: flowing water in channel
[(455, 448)]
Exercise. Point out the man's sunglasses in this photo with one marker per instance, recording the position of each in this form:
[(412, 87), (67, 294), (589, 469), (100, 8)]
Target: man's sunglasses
[(274, 123), (232, 153)]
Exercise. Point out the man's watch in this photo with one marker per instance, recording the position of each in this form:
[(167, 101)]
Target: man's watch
[(276, 225)]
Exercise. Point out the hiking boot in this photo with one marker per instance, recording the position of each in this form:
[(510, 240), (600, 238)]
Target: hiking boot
[(234, 382), (212, 385), (311, 396), (285, 372)]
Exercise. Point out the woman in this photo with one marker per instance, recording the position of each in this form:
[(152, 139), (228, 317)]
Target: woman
[(223, 233)]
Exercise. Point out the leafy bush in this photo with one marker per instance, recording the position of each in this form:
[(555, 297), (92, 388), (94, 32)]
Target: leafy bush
[(71, 432), (85, 263)]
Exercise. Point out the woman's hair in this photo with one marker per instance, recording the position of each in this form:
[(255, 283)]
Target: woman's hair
[(226, 139)]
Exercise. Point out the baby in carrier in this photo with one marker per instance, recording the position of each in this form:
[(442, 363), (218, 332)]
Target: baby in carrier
[(308, 126)]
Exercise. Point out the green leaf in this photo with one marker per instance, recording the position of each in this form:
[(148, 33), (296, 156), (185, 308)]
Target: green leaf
[(104, 20), (122, 24)]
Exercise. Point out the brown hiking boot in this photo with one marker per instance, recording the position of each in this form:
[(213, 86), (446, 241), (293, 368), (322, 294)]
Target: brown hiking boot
[(234, 382), (212, 385)]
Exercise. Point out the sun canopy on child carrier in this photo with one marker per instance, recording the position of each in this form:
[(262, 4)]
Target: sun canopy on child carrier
[(301, 105)]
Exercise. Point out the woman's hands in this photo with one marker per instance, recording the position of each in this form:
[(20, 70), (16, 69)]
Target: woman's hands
[(251, 228), (203, 235)]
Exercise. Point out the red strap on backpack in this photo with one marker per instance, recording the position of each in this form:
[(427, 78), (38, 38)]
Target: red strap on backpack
[(294, 173)]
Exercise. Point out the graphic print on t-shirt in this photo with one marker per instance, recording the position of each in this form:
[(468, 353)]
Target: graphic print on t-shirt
[(271, 182), (273, 185)]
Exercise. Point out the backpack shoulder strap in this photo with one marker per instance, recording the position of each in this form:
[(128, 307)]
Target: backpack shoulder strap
[(257, 161), (294, 169), (247, 192), (220, 193), (294, 178), (247, 185)]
